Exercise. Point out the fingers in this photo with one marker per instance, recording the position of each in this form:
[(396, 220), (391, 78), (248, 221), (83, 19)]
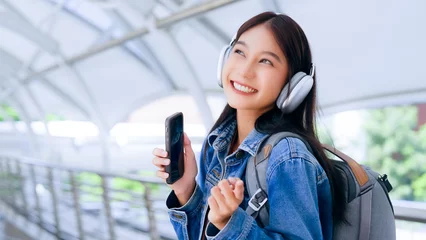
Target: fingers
[(233, 181), (160, 159), (226, 190), (159, 152), (160, 162), (239, 190), (162, 174), (187, 147), (214, 215), (233, 189), (221, 202), (186, 140), (213, 204)]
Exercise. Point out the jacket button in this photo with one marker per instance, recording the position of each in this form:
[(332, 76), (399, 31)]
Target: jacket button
[(239, 154)]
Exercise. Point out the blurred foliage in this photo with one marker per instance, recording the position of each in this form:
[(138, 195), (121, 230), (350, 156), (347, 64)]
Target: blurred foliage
[(91, 187), (11, 112), (397, 148), (54, 117)]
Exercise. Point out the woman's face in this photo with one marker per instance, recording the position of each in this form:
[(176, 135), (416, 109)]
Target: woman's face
[(255, 71)]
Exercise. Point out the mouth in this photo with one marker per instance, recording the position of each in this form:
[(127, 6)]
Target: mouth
[(242, 88)]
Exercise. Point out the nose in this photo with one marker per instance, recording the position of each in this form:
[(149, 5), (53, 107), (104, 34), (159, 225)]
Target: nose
[(247, 70)]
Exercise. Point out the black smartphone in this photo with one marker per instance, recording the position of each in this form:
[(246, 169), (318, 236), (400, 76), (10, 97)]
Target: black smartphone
[(174, 147)]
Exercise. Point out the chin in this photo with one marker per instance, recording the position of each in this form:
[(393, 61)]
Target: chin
[(243, 106), (247, 106)]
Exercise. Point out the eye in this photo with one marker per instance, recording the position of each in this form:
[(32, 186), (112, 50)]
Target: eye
[(237, 51), (266, 61)]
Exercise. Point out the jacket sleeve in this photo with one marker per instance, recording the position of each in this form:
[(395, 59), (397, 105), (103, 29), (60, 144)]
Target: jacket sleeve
[(187, 219), (293, 201)]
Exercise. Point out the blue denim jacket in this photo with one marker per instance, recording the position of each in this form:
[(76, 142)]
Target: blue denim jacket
[(299, 191)]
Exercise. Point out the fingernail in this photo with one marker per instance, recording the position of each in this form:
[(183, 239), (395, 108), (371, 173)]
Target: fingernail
[(164, 153), (166, 161)]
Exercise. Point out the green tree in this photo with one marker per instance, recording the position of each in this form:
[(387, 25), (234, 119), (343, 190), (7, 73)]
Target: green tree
[(396, 148)]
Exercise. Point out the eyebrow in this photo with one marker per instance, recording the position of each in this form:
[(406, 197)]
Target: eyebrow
[(265, 52)]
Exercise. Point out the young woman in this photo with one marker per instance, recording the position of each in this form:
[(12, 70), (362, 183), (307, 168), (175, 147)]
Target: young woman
[(260, 76)]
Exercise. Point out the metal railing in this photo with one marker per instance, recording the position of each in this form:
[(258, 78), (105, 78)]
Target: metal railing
[(50, 195), (410, 211), (102, 205)]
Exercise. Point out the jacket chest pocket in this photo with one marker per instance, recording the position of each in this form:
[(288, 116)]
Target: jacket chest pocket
[(214, 175)]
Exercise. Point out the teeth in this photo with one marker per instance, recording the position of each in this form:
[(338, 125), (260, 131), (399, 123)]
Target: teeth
[(243, 88)]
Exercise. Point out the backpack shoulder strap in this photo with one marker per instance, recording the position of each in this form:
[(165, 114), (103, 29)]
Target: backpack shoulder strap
[(256, 176)]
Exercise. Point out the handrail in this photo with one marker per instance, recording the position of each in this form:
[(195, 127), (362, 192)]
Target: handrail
[(27, 200), (32, 207), (410, 211), (35, 162)]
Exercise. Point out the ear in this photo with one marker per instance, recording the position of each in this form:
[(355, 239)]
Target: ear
[(223, 56), (300, 86)]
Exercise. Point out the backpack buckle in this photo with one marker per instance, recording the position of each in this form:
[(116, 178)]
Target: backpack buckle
[(259, 199)]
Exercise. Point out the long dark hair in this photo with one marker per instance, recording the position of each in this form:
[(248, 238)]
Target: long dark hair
[(295, 46)]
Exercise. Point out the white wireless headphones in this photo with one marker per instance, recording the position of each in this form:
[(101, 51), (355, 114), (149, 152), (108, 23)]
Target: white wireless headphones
[(301, 83)]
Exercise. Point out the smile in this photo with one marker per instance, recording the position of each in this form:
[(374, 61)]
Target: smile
[(242, 88)]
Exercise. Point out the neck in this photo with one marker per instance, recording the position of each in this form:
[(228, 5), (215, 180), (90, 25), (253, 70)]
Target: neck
[(245, 123)]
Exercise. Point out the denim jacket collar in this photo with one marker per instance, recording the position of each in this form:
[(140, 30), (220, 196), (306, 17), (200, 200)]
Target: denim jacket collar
[(221, 137)]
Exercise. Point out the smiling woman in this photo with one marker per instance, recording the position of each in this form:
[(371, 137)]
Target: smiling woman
[(268, 79)]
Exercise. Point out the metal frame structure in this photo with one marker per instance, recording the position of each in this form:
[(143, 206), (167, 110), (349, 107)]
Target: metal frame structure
[(160, 24), (94, 113), (25, 177)]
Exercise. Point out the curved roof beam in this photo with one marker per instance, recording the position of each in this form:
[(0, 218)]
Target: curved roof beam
[(156, 65), (40, 110), (10, 64), (195, 88), (202, 25), (105, 34), (161, 23), (410, 96), (32, 138), (15, 65), (96, 116), (51, 17), (14, 21)]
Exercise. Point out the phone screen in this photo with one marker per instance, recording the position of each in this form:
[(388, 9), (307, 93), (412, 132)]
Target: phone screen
[(174, 146)]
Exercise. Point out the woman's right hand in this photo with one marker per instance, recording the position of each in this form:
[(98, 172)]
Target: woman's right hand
[(184, 187)]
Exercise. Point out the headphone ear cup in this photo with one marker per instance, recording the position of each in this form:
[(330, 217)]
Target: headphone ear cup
[(301, 84), (223, 56)]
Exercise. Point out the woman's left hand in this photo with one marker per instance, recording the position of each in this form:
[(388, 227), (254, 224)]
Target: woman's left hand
[(224, 201)]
